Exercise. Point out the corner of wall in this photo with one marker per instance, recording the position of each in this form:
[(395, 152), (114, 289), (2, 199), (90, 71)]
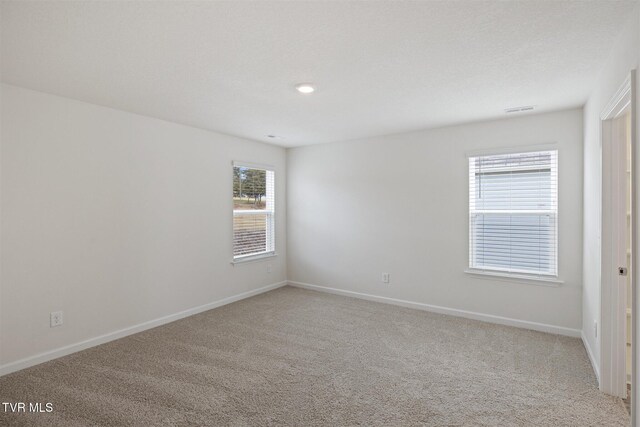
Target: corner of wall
[(592, 359)]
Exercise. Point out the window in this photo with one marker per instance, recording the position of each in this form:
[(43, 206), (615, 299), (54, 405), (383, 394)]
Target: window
[(253, 212), (513, 213)]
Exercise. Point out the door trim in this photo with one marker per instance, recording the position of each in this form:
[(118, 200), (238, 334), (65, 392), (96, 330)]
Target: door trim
[(613, 303)]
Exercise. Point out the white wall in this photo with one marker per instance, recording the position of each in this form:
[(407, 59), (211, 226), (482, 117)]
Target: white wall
[(399, 204), (116, 219), (623, 58)]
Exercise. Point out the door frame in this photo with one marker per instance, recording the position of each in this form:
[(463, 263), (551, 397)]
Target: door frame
[(613, 377)]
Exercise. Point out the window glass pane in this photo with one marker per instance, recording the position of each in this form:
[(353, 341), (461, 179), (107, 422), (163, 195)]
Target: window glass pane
[(516, 190), (514, 242), (249, 234), (249, 188)]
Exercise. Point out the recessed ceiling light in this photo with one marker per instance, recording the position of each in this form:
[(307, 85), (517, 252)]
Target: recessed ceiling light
[(274, 137), (305, 88)]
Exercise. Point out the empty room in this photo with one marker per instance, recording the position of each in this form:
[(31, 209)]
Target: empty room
[(319, 213)]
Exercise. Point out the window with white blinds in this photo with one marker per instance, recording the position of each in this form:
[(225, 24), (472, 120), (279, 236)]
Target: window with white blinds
[(513, 213), (253, 212)]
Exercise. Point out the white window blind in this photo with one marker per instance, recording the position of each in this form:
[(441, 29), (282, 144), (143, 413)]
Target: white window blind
[(253, 212), (513, 213)]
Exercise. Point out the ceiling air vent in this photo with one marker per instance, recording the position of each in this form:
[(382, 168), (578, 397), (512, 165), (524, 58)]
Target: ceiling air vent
[(519, 109)]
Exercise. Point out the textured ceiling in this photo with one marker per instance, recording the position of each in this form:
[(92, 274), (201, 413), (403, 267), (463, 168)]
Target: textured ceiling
[(380, 67)]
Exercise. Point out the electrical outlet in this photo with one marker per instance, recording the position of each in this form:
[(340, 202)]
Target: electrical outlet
[(595, 328), (269, 268), (385, 277), (55, 318)]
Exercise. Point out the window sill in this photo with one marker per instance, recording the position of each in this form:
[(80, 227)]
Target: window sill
[(553, 282), (253, 258)]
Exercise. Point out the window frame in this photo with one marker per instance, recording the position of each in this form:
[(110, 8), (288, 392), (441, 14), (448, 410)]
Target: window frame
[(536, 278), (271, 217)]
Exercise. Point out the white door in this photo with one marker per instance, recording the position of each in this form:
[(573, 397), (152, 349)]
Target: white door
[(622, 229)]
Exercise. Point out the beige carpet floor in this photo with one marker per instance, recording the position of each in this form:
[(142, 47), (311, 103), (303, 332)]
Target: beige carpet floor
[(303, 358)]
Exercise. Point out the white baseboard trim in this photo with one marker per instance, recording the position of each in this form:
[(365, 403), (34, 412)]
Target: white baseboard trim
[(524, 324), (92, 342), (592, 359)]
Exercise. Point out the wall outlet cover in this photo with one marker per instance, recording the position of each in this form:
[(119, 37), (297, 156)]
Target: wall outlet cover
[(56, 318)]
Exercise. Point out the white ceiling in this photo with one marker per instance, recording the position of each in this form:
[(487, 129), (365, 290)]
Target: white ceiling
[(380, 67)]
